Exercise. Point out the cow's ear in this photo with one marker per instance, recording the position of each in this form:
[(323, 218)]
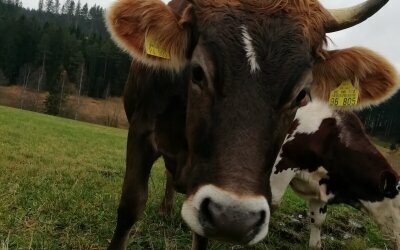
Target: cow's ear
[(150, 31), (373, 75)]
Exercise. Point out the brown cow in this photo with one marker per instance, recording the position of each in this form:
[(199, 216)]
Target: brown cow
[(327, 158), (214, 87)]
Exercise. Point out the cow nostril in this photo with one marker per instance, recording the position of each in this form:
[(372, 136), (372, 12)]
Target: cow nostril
[(205, 210), (261, 221)]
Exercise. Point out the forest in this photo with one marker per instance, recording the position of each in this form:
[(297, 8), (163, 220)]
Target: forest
[(383, 121), (64, 49), (60, 48)]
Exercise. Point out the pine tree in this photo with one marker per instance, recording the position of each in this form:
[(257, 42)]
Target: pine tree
[(57, 7), (84, 11), (65, 7), (40, 7), (78, 8), (56, 97), (71, 8), (49, 6)]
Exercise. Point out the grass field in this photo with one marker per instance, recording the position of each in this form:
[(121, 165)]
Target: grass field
[(59, 188)]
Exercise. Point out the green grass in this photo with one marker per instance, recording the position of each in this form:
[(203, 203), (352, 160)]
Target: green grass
[(60, 182)]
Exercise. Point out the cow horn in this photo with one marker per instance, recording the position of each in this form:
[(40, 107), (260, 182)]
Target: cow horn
[(348, 17)]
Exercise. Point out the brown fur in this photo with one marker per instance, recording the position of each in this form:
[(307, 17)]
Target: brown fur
[(376, 77), (310, 15), (130, 22), (191, 116)]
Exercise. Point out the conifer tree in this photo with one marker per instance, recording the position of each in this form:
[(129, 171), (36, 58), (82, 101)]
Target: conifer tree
[(71, 8), (78, 9), (65, 7), (49, 6), (84, 11), (40, 7), (57, 6)]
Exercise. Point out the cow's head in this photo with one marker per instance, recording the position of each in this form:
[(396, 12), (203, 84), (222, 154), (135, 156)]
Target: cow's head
[(248, 65)]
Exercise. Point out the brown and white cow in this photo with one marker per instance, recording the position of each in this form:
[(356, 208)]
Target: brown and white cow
[(214, 87), (327, 158)]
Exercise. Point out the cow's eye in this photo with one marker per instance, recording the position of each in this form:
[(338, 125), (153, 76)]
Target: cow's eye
[(198, 76), (302, 98)]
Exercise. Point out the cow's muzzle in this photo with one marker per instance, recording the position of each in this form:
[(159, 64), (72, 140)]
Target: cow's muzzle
[(215, 213)]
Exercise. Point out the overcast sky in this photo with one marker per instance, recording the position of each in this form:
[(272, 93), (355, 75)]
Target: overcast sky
[(380, 33)]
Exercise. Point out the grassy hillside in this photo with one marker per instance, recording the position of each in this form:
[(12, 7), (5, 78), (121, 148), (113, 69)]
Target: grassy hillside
[(60, 182)]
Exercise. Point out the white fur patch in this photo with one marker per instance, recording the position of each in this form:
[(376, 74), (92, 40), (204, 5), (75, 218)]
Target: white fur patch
[(309, 120), (279, 183), (310, 117), (250, 51), (191, 207)]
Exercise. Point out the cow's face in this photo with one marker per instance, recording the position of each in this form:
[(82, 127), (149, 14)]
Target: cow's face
[(248, 74), (248, 66)]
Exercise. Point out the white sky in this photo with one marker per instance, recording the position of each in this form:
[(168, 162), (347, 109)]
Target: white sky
[(379, 33)]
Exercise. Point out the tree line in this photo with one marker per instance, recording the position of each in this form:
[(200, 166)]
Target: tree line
[(61, 48), (384, 120)]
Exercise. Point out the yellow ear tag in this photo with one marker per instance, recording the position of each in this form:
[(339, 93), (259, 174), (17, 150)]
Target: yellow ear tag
[(154, 49), (346, 95)]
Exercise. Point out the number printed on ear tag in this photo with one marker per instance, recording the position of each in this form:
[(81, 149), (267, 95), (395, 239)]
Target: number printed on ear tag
[(154, 49), (346, 95)]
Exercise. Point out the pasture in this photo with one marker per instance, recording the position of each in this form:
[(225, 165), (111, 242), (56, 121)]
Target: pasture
[(60, 182)]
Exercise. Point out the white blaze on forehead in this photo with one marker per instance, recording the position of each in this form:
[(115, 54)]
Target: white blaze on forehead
[(250, 51)]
